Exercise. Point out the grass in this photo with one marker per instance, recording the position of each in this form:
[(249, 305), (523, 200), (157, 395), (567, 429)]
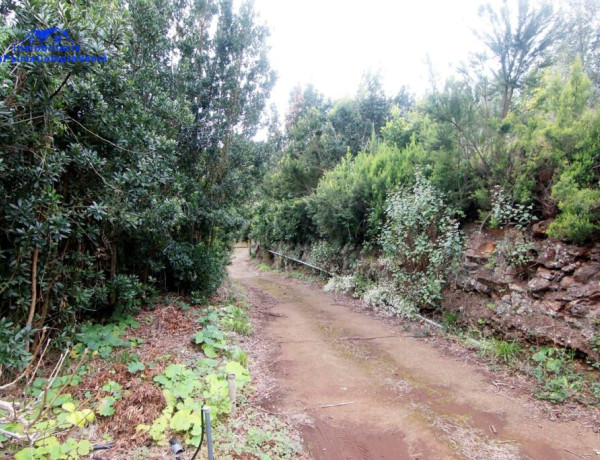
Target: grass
[(501, 350)]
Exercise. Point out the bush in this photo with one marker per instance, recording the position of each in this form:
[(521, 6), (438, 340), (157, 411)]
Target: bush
[(385, 299), (347, 206), (505, 211), (196, 267), (127, 291), (580, 206), (343, 284), (421, 242), (13, 341)]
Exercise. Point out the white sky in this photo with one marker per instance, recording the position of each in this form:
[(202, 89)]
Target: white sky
[(331, 43)]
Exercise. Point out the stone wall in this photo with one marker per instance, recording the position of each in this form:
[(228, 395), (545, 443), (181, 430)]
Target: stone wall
[(552, 298)]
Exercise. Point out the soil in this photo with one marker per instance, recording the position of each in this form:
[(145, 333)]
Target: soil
[(369, 389)]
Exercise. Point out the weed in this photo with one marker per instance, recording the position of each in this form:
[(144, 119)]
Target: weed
[(184, 389), (43, 411), (256, 435), (235, 319), (450, 319), (555, 372), (501, 350), (298, 275)]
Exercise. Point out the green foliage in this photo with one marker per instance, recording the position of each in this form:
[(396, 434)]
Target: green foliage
[(555, 372), (501, 350), (514, 252), (212, 340), (450, 319), (343, 284), (505, 211), (135, 366), (348, 204), (129, 173), (13, 339), (184, 389), (101, 339), (51, 448), (421, 242), (386, 299), (45, 410), (233, 318), (580, 217)]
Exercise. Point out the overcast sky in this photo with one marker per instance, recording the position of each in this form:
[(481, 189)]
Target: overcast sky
[(331, 43)]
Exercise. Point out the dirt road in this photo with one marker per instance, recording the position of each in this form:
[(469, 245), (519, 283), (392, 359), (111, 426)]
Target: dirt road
[(373, 391)]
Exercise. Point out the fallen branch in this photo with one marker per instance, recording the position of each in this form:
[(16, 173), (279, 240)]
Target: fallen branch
[(577, 455), (498, 384), (336, 405)]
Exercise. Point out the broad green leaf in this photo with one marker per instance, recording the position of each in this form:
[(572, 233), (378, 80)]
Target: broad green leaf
[(25, 454), (69, 407), (169, 397), (84, 447), (106, 407), (135, 367), (174, 370), (209, 351), (181, 420), (162, 380)]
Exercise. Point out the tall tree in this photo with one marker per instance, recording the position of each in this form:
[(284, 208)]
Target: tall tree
[(118, 173), (519, 41)]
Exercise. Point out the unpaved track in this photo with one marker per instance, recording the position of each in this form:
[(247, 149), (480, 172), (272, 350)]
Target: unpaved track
[(392, 396)]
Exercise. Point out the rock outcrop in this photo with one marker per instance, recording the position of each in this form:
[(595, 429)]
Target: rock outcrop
[(542, 290)]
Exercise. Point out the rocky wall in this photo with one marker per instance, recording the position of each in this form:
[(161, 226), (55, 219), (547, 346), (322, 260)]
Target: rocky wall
[(528, 285)]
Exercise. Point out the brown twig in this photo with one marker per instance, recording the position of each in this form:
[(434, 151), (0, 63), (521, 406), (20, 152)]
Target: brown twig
[(336, 405), (577, 455)]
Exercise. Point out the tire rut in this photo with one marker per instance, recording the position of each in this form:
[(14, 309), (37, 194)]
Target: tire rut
[(407, 400)]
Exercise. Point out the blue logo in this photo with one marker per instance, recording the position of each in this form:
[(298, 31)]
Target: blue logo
[(49, 45), (57, 34)]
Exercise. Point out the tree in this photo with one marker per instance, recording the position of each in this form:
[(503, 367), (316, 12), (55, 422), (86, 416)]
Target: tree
[(519, 41), (373, 105), (128, 172), (582, 37)]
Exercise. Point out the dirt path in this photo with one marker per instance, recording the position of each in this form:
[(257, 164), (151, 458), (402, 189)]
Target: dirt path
[(372, 391)]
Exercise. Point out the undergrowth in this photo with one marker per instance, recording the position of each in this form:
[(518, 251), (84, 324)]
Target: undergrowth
[(57, 415), (557, 376)]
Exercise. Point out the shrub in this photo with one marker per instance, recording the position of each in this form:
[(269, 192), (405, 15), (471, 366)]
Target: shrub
[(13, 341), (505, 211), (196, 267), (580, 206), (343, 284), (347, 206), (517, 253), (385, 299), (421, 242)]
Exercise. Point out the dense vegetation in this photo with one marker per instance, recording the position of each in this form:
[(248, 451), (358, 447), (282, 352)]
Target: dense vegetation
[(123, 176), (513, 137)]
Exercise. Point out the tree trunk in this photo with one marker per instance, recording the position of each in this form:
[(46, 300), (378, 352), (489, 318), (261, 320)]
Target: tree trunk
[(113, 269), (29, 322)]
